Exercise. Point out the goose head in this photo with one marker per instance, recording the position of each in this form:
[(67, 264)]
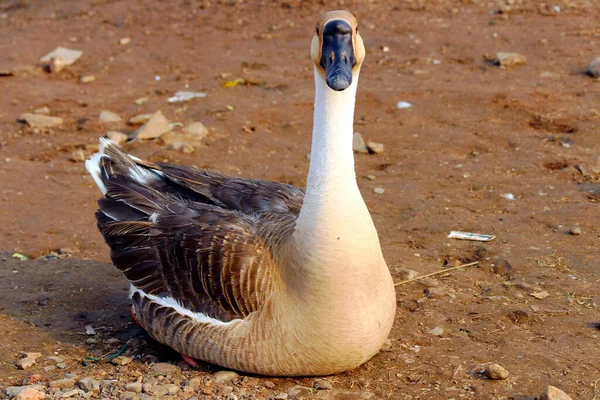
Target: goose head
[(337, 49)]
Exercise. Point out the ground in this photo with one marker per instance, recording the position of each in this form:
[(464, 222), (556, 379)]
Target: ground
[(510, 152)]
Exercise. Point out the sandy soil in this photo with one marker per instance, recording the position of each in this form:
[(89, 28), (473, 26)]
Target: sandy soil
[(475, 134)]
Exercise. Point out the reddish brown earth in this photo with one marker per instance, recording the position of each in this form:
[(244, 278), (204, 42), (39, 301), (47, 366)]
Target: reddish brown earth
[(476, 132)]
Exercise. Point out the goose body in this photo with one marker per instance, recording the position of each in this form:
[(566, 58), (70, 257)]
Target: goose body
[(253, 275)]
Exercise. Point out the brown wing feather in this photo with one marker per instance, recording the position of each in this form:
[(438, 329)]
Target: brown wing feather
[(209, 243)]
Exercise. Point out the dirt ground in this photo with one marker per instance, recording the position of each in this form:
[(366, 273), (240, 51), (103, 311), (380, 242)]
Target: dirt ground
[(475, 135)]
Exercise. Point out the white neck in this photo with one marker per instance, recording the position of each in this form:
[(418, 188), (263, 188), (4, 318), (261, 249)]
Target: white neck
[(332, 203)]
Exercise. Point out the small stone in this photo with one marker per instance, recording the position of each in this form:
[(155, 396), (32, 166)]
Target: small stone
[(375, 148), (387, 345), (186, 96), (61, 365), (379, 190), (358, 144), (117, 137), (141, 100), (12, 391), (122, 360), (225, 376), (164, 368), (42, 111), (540, 295), (192, 385), (528, 287), (124, 41), (129, 396), (281, 396), (553, 393), (509, 59), (437, 331), (502, 267), (89, 385), (134, 387), (594, 71), (371, 177), (268, 384), (35, 378), (156, 126), (30, 394), (87, 78), (40, 121), (576, 231), (299, 391), (70, 393), (67, 56), (56, 65), (62, 383), (49, 368), (164, 390), (139, 119), (25, 363), (35, 356), (108, 117), (77, 156), (437, 292), (495, 371), (405, 274), (188, 139), (322, 384)]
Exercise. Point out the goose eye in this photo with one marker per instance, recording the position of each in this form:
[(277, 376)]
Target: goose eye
[(317, 29), (356, 28)]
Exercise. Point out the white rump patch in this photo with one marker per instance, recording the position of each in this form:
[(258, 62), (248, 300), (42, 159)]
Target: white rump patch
[(154, 217), (174, 304)]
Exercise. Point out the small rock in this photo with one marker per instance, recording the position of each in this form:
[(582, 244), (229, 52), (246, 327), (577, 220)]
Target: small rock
[(371, 177), (62, 383), (12, 391), (61, 365), (528, 287), (139, 119), (164, 368), (117, 137), (375, 148), (129, 396), (268, 384), (576, 231), (108, 117), (299, 391), (77, 156), (358, 144), (437, 292), (141, 100), (594, 70), (124, 41), (67, 56), (89, 330), (87, 78), (35, 356), (42, 111), (188, 139), (437, 331), (405, 274), (56, 65), (25, 363), (502, 267), (379, 190), (49, 368), (495, 371), (387, 345), (89, 385), (35, 378), (508, 59), (156, 126), (553, 393), (122, 360), (134, 387), (30, 394), (540, 295), (70, 393), (322, 384), (164, 390), (192, 385), (281, 396), (225, 376), (40, 121), (403, 104)]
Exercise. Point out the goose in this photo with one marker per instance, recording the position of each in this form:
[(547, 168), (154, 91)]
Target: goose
[(251, 275)]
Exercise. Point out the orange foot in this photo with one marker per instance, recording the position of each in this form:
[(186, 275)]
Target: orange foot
[(192, 362), (135, 318)]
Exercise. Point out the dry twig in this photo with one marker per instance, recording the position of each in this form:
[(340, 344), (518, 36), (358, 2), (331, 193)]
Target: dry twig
[(436, 273)]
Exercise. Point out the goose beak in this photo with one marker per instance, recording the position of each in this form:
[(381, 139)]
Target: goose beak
[(337, 54)]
